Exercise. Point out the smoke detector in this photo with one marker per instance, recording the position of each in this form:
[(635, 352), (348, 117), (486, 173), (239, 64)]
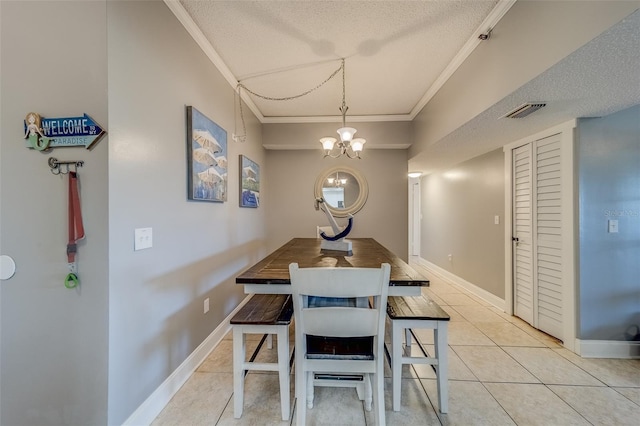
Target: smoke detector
[(524, 110)]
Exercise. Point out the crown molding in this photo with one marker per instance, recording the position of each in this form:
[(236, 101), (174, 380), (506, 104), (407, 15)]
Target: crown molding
[(490, 21), (336, 119), (308, 146), (187, 22)]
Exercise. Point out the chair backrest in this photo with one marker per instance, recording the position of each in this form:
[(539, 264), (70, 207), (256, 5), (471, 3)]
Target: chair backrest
[(364, 319)]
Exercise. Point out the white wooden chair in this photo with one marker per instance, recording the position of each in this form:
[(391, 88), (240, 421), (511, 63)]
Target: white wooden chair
[(352, 337)]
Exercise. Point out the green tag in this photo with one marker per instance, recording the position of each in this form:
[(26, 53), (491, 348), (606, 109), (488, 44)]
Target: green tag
[(71, 281)]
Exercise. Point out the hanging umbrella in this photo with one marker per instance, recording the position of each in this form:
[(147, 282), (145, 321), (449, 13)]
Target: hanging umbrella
[(207, 140), (210, 175), (204, 156), (250, 173), (222, 161)]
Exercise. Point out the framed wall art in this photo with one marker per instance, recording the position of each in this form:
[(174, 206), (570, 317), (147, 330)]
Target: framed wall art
[(206, 158), (249, 183)]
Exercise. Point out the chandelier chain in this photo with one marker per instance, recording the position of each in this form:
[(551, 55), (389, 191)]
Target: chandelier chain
[(241, 86), (289, 98), (344, 107)]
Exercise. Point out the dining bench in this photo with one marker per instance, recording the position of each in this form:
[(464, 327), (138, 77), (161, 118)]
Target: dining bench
[(267, 314), (418, 312)]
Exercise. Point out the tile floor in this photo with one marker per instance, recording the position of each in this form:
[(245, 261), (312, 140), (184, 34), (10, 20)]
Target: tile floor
[(502, 372)]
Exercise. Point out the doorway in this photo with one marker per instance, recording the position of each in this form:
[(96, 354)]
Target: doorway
[(540, 277), (414, 217)]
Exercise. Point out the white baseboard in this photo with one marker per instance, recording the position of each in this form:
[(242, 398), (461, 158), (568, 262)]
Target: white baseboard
[(152, 406), (608, 349), (456, 280)]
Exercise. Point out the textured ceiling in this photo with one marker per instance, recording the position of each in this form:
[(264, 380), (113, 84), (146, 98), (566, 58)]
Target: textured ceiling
[(398, 54), (394, 50), (600, 78)]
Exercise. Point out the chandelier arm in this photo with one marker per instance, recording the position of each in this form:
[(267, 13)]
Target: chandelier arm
[(333, 156), (352, 156)]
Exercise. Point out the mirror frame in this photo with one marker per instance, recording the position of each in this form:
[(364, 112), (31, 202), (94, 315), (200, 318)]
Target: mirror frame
[(362, 197)]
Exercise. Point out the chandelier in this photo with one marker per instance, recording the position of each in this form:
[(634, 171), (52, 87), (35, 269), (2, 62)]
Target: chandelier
[(347, 145)]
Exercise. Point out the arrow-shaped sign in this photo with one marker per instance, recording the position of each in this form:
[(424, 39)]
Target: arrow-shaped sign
[(69, 131)]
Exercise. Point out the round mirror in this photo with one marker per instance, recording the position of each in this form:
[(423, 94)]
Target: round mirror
[(343, 189)]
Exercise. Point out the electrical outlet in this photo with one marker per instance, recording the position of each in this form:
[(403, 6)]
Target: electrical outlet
[(143, 238), (206, 305), (613, 226), (450, 257)]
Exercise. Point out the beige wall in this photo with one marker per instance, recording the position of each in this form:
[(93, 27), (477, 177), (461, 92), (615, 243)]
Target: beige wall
[(157, 295), (92, 356), (54, 340), (458, 209), (289, 196)]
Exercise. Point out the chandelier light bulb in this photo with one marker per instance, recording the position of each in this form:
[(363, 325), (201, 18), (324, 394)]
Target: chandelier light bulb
[(327, 143), (346, 133), (357, 144)]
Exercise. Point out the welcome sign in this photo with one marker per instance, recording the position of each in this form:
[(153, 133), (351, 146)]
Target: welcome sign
[(45, 133)]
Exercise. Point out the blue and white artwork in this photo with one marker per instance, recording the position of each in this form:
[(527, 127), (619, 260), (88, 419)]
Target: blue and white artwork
[(207, 158), (249, 183)]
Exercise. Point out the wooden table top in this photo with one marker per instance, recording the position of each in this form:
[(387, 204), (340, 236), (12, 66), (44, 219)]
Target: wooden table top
[(367, 253)]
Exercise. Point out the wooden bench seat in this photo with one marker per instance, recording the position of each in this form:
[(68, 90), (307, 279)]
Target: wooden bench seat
[(263, 314), (408, 313), (267, 309)]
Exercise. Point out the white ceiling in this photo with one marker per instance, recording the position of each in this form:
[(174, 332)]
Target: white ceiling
[(394, 50), (398, 54)]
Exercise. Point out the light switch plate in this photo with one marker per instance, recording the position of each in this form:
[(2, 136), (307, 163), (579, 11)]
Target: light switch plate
[(613, 226), (496, 220), (143, 238)]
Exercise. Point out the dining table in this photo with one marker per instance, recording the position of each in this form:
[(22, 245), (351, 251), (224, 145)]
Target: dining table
[(271, 274)]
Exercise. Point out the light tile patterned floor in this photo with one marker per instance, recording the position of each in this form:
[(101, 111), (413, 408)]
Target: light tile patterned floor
[(501, 371)]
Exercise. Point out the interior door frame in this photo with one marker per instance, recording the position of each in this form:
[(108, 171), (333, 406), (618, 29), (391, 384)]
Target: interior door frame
[(414, 216), (569, 295)]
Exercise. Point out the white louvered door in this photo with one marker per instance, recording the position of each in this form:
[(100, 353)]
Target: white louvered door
[(537, 220), (549, 235), (522, 234)]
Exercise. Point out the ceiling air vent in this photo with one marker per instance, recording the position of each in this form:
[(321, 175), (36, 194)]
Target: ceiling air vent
[(524, 110)]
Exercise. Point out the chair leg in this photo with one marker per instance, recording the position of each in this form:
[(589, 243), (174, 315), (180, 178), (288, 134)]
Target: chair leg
[(310, 390), (368, 394), (300, 390), (442, 353), (239, 348), (378, 395), (301, 401), (283, 371), (396, 362)]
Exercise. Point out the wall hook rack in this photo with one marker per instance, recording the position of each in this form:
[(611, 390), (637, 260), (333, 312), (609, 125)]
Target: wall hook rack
[(63, 167)]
